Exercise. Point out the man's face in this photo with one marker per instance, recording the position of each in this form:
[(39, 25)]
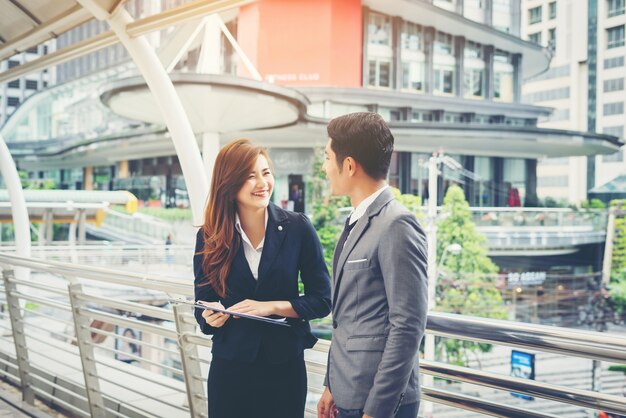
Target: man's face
[(338, 179)]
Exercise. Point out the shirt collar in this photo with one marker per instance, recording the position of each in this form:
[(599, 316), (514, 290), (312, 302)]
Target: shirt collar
[(362, 208), (243, 233)]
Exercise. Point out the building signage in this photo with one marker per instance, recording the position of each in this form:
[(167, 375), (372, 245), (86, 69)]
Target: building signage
[(281, 78), (522, 366), (527, 278)]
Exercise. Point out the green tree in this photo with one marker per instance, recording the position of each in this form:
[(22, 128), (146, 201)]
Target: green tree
[(467, 280), (618, 256), (327, 218)]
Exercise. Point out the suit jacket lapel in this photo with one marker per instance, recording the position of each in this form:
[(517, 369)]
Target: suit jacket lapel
[(274, 235), (359, 229), (353, 238)]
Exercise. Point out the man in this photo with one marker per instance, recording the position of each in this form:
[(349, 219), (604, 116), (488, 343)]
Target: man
[(380, 285)]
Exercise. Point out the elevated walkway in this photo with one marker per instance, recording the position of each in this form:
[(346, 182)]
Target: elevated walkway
[(93, 353)]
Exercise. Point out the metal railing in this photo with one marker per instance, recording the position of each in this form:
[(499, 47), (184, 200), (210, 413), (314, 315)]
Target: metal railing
[(71, 346), (587, 219), (138, 223)]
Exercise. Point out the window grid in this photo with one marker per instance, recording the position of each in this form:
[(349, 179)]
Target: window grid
[(552, 10), (615, 7), (615, 37), (616, 108), (614, 84), (534, 15), (613, 62)]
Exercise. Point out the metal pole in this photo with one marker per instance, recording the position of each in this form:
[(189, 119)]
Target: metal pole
[(87, 358), (431, 239), (608, 247), (191, 365), (19, 338), (167, 100)]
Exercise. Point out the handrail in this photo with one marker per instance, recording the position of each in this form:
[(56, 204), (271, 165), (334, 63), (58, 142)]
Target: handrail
[(584, 398), (146, 281), (483, 406), (593, 345), (599, 346), (522, 335)]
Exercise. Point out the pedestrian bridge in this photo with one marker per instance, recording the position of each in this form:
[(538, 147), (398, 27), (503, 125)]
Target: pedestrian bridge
[(96, 337)]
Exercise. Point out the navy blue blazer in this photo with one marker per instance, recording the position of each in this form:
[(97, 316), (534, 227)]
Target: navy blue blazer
[(291, 248)]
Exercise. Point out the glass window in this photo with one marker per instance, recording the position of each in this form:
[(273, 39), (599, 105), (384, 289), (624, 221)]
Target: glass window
[(502, 16), (411, 36), (474, 83), (443, 44), (616, 108), (473, 50), (14, 84), (503, 76), (444, 79), (615, 84), (514, 179), (413, 75), (380, 73), (379, 29), (615, 7), (615, 37), (535, 37), (552, 7), (413, 58), (552, 40), (534, 15), (613, 62), (484, 190)]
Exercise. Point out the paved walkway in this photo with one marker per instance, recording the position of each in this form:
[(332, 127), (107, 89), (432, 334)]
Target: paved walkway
[(12, 406)]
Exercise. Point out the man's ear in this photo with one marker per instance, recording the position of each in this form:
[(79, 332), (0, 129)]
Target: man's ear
[(350, 165)]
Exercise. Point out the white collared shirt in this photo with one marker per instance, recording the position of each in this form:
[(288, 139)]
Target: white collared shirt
[(365, 204), (253, 255)]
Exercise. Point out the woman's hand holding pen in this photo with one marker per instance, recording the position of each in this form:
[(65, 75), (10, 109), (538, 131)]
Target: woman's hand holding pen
[(213, 318)]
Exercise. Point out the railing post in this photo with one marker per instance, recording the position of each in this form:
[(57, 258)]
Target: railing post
[(87, 358), (19, 337), (191, 365)]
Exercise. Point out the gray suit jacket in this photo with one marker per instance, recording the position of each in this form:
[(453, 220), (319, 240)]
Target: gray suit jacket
[(379, 311)]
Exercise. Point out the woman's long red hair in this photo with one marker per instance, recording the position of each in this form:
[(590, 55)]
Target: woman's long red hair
[(233, 165)]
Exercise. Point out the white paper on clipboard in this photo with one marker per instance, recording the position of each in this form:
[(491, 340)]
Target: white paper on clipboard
[(281, 321)]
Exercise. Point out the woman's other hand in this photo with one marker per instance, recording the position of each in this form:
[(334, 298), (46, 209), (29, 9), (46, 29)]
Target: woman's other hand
[(213, 318), (254, 307)]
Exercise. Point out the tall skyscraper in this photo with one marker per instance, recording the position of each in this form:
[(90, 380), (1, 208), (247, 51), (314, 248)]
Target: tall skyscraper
[(585, 86)]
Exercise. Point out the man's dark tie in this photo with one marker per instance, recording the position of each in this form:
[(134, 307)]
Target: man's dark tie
[(342, 241)]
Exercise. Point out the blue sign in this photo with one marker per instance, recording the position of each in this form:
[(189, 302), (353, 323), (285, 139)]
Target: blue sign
[(523, 366)]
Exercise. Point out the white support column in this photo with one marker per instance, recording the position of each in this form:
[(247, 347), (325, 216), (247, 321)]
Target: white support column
[(168, 101), (82, 227), (18, 206), (209, 59), (210, 149), (71, 236)]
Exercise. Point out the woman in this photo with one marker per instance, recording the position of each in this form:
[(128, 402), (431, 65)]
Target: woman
[(249, 254)]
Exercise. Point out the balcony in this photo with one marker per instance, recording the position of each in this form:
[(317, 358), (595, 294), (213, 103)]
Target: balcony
[(539, 229)]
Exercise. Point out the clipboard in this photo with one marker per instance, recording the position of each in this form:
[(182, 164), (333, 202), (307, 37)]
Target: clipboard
[(282, 322)]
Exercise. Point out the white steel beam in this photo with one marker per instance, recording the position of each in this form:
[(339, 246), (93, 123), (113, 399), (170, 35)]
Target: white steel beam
[(168, 101), (139, 27), (18, 206)]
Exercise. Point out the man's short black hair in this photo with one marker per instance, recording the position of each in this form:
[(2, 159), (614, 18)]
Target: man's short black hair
[(365, 137)]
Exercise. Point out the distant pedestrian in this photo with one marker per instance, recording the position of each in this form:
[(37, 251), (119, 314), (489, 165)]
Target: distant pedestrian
[(169, 258)]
